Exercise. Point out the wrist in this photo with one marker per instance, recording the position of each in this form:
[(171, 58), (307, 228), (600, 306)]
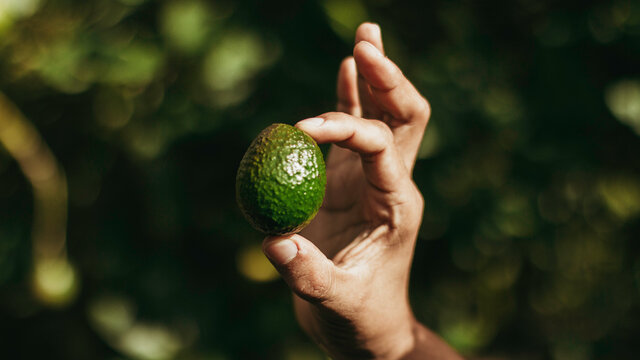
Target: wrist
[(398, 342), (386, 340)]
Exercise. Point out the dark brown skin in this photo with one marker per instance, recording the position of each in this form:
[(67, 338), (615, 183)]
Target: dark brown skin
[(349, 269)]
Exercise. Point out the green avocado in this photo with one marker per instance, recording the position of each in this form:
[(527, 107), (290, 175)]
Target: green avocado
[(281, 180)]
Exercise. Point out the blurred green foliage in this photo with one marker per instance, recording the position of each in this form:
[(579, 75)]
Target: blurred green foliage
[(530, 170)]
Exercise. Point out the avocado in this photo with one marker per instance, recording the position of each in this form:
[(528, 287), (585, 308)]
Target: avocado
[(281, 180)]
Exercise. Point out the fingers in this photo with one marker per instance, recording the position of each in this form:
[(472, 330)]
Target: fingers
[(396, 96), (372, 139), (304, 267), (392, 91), (371, 33), (348, 101), (386, 94)]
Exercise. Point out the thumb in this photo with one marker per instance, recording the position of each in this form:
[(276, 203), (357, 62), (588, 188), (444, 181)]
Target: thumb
[(303, 266)]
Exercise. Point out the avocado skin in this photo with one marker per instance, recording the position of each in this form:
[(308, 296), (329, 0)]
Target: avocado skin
[(281, 180)]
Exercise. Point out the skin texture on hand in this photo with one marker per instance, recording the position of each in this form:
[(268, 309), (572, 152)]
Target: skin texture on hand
[(349, 269)]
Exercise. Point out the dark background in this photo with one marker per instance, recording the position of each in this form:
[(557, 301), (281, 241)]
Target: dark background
[(530, 170)]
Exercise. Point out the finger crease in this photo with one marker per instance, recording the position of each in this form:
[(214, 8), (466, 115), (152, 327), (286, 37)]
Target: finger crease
[(385, 89)]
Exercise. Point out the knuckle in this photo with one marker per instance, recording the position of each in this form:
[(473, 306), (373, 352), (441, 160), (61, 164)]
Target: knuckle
[(399, 76), (337, 116), (330, 115), (424, 108), (416, 210), (384, 132)]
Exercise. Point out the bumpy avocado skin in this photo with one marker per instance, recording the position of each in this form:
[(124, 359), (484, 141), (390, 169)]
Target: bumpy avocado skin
[(281, 180)]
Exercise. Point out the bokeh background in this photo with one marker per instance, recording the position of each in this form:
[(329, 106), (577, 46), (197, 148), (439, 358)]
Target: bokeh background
[(123, 121)]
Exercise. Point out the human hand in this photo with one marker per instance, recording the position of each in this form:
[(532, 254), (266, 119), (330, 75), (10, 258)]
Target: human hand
[(349, 269)]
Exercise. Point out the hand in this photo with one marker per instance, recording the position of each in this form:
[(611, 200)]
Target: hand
[(349, 269)]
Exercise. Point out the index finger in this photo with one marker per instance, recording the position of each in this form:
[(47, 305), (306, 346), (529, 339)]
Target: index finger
[(372, 139)]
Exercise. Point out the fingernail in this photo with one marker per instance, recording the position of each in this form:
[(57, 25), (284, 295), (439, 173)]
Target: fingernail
[(281, 252), (314, 122)]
